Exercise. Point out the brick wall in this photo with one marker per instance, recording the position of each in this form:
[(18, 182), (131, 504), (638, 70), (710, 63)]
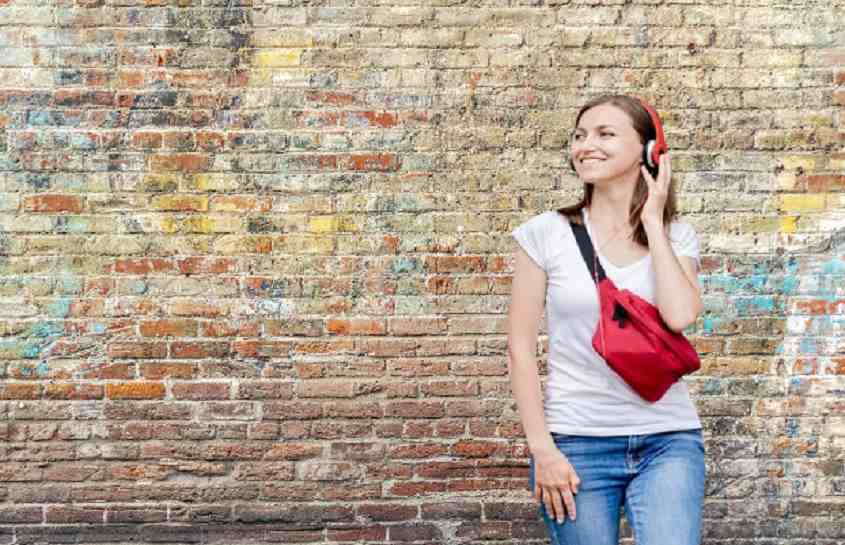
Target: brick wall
[(255, 259)]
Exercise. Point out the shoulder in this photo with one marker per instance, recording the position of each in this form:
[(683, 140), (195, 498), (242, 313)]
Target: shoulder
[(545, 222), (681, 230)]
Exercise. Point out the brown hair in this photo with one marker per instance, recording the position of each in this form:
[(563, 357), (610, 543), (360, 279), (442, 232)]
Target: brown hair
[(641, 120)]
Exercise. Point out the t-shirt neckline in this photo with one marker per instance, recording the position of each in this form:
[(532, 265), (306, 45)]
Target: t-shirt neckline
[(605, 261)]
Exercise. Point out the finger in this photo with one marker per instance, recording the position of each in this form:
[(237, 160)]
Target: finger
[(649, 180), (538, 492), (546, 499), (560, 514), (569, 501), (574, 483)]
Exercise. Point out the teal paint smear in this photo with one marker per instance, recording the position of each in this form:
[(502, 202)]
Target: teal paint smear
[(60, 308), (46, 329), (42, 369), (71, 284), (403, 265), (790, 284), (754, 305), (707, 326)]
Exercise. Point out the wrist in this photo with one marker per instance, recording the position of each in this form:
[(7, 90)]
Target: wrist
[(542, 446), (652, 224)]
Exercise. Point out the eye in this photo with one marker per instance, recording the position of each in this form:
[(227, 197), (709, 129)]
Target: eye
[(607, 134), (577, 136)]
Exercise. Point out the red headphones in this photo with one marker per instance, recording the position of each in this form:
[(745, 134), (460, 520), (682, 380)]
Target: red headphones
[(653, 148)]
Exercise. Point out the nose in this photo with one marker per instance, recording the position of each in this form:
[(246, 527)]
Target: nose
[(583, 146)]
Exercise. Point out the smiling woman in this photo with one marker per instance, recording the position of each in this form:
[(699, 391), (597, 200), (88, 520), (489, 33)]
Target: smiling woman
[(595, 444)]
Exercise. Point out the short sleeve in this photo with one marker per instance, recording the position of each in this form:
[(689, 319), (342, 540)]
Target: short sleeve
[(532, 237), (685, 241)]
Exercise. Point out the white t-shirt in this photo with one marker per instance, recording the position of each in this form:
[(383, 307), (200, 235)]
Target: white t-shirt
[(584, 396)]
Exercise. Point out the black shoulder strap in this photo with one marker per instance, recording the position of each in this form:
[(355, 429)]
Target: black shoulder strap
[(587, 252)]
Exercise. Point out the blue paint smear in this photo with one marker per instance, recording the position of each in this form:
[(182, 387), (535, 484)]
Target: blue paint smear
[(792, 427), (808, 346), (98, 328), (833, 266), (711, 386), (708, 326), (42, 369), (32, 349), (792, 266)]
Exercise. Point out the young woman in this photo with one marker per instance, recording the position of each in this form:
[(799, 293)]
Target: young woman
[(595, 444)]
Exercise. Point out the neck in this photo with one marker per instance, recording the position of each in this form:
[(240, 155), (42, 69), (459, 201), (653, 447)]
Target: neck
[(611, 203)]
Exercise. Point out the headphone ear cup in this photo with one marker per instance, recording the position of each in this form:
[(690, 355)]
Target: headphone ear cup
[(647, 155)]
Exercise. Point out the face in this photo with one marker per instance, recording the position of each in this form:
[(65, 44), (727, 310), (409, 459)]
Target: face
[(605, 146)]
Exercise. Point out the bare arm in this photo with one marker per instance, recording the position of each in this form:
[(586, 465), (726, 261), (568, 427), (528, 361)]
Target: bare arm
[(555, 478), (528, 294), (677, 293)]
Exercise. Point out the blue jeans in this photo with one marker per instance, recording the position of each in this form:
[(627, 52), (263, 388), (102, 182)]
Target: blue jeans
[(659, 478)]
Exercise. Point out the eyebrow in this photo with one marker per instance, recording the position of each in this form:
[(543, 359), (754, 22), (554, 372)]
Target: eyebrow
[(599, 127)]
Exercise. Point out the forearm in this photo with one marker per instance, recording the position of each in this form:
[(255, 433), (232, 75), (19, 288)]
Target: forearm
[(676, 297), (525, 385)]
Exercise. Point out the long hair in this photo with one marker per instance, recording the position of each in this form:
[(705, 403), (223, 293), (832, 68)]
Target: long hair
[(641, 120)]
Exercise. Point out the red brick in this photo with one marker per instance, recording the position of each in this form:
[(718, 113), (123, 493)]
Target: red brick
[(415, 409), (418, 450), (384, 120), (458, 264), (372, 533), (416, 488), (146, 140), (168, 328), (73, 391), (159, 370), (355, 326), (200, 390), (373, 162), (198, 350), (206, 265), (218, 328), (210, 141), (135, 390), (293, 451), (179, 162), (136, 350), (53, 203), (143, 266), (325, 388), (11, 390)]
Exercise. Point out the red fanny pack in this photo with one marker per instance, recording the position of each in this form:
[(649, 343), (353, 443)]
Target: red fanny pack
[(631, 335)]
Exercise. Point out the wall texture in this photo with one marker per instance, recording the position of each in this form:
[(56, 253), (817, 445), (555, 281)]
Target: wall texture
[(255, 258)]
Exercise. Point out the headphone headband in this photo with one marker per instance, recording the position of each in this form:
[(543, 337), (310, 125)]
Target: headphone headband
[(658, 146)]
